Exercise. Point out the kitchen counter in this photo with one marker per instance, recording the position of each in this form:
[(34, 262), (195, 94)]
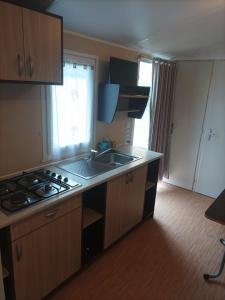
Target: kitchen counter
[(146, 157)]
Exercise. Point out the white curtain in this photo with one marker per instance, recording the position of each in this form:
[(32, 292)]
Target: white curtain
[(70, 111)]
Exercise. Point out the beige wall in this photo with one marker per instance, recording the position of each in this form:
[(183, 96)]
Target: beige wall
[(21, 111)]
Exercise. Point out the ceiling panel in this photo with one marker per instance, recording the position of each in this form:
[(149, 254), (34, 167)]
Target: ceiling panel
[(166, 28)]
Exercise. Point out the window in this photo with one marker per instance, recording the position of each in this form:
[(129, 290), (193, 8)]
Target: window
[(70, 108), (141, 126)]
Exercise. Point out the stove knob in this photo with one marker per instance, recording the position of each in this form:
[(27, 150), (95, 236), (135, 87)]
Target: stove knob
[(65, 179), (59, 177), (53, 174), (48, 172), (48, 187)]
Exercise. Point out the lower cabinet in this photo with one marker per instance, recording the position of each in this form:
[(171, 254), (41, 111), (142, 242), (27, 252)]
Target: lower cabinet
[(46, 248), (47, 256), (124, 204)]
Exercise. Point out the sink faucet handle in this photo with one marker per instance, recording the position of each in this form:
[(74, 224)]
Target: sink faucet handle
[(93, 154)]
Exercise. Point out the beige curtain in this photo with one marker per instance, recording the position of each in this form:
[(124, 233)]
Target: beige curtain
[(162, 93)]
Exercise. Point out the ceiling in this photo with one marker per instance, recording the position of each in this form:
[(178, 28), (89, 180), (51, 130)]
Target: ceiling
[(172, 29)]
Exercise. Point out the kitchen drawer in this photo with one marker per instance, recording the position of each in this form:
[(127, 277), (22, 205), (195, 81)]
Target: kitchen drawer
[(46, 216)]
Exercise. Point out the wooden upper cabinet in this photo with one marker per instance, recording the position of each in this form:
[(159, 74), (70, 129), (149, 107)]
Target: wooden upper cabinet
[(11, 35), (31, 45), (42, 46)]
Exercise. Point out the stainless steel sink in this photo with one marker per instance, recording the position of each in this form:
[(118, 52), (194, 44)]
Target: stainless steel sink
[(88, 168), (115, 158), (85, 168)]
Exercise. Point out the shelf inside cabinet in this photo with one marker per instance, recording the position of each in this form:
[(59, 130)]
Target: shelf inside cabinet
[(149, 185), (128, 110), (5, 272), (115, 98), (90, 216), (133, 96)]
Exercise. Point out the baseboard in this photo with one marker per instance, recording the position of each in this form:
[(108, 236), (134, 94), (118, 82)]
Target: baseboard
[(179, 183)]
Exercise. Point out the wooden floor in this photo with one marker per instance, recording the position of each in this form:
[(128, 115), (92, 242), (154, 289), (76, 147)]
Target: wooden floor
[(164, 258)]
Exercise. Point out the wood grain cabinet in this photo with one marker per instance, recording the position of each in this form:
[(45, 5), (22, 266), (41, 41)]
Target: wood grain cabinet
[(49, 254), (31, 45), (124, 204)]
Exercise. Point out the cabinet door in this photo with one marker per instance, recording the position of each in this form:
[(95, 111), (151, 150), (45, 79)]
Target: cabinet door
[(46, 257), (124, 204), (42, 46), (116, 193), (59, 250), (134, 200), (12, 53), (26, 268)]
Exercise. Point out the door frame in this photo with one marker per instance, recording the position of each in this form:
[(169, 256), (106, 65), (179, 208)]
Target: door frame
[(204, 130)]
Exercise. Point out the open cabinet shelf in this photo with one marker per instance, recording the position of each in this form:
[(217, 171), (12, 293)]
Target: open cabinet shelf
[(149, 185), (128, 110), (90, 216), (150, 189), (93, 212), (5, 272), (134, 96)]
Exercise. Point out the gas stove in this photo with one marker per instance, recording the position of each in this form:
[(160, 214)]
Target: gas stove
[(30, 188)]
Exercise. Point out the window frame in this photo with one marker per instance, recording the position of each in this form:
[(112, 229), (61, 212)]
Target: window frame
[(132, 126), (81, 58)]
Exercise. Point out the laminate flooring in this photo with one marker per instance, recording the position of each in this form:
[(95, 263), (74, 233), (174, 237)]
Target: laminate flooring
[(163, 258)]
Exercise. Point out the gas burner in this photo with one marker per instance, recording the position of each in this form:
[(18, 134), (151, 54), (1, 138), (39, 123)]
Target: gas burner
[(29, 181), (7, 187), (49, 189), (30, 188), (18, 201)]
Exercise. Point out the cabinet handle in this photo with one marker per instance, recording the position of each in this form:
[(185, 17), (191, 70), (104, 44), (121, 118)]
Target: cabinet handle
[(51, 213), (127, 179), (31, 65), (131, 177), (18, 251), (20, 64)]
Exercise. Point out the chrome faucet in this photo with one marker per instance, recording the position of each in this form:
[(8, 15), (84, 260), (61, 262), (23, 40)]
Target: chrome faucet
[(93, 154)]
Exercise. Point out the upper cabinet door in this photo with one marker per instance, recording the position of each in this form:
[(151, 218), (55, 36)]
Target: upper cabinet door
[(12, 52), (42, 46)]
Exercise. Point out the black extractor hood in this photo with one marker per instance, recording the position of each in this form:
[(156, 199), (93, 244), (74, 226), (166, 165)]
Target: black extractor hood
[(33, 4), (121, 93)]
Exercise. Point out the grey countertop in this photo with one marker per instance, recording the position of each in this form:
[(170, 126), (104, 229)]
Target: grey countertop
[(146, 157)]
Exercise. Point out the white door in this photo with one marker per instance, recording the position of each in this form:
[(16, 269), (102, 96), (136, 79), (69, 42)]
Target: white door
[(192, 85), (210, 172)]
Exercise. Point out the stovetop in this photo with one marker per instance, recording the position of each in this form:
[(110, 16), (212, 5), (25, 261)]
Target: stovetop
[(30, 188)]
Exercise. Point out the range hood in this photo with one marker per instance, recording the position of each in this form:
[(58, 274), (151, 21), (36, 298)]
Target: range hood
[(33, 4)]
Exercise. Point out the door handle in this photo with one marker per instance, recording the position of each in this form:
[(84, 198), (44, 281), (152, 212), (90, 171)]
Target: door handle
[(20, 64), (18, 251), (30, 66), (211, 134), (51, 213), (131, 177), (171, 128)]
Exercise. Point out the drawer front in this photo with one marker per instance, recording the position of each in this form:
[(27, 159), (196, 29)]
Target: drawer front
[(46, 216)]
